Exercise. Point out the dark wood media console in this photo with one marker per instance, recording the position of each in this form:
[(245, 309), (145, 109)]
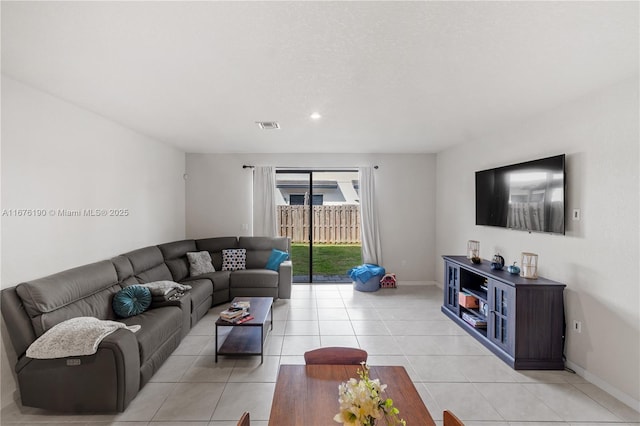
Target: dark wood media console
[(524, 317)]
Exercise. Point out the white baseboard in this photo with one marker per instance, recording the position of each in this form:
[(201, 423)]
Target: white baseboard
[(416, 283), (611, 390)]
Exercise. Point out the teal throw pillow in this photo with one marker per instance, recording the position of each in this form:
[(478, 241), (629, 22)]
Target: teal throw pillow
[(276, 258), (132, 300)]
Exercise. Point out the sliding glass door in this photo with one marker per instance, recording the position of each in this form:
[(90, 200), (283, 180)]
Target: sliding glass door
[(292, 202), (319, 211)]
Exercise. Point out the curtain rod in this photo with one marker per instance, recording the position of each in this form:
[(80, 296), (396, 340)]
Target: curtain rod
[(245, 166)]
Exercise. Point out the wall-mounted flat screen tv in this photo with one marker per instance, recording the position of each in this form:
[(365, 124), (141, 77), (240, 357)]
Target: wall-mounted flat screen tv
[(527, 196)]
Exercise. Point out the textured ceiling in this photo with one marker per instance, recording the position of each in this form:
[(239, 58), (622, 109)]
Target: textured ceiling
[(386, 76)]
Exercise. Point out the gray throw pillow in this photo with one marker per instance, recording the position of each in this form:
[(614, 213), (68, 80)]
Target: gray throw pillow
[(199, 263)]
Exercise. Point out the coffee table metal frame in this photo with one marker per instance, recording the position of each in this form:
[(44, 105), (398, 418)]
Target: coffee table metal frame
[(247, 338)]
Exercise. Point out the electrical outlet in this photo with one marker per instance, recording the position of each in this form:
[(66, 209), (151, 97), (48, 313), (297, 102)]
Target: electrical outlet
[(576, 214), (577, 326)]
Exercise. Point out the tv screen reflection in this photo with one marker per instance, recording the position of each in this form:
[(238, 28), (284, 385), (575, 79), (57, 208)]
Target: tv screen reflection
[(527, 196)]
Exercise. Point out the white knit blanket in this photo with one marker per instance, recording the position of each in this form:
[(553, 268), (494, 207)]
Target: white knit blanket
[(74, 337), (161, 288)]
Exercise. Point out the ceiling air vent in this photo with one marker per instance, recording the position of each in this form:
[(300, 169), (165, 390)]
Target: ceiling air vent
[(268, 125)]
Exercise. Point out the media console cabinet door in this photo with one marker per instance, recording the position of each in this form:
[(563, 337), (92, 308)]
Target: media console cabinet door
[(501, 326), (451, 286)]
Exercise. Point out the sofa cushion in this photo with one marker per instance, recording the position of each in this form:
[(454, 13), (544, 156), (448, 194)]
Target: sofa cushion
[(144, 258), (159, 273), (234, 259), (83, 291), (179, 268), (132, 300), (177, 249), (254, 278), (200, 290), (220, 279), (175, 257), (148, 265), (215, 246), (156, 327), (199, 263), (124, 269)]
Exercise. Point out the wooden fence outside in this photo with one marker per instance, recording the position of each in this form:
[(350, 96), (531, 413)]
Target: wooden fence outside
[(339, 224)]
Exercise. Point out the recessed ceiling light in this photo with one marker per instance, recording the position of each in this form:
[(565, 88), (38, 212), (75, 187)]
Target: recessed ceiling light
[(315, 116), (268, 125)]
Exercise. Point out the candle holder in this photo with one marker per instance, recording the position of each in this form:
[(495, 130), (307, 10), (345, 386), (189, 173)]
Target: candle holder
[(473, 249), (529, 265)]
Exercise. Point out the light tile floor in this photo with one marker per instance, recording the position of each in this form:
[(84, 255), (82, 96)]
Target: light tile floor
[(402, 326)]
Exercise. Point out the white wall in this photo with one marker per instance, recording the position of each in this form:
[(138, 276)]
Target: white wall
[(598, 256), (219, 200), (58, 156)]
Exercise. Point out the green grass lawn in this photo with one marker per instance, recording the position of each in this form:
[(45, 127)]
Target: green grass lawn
[(328, 259)]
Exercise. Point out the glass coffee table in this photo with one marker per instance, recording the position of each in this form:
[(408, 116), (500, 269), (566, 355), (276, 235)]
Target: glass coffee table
[(247, 338)]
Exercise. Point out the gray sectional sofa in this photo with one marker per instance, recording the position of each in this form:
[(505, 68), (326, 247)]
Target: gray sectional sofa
[(108, 380)]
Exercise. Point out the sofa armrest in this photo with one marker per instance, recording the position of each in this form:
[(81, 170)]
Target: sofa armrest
[(104, 382), (285, 277)]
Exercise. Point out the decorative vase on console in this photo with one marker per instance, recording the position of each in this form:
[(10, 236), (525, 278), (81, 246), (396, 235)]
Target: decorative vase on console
[(497, 263), (513, 269)]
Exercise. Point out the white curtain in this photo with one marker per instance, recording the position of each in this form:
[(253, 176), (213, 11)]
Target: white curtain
[(369, 233), (264, 202)]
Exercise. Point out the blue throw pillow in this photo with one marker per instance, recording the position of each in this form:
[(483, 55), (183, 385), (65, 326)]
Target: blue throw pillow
[(131, 301), (276, 258)]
